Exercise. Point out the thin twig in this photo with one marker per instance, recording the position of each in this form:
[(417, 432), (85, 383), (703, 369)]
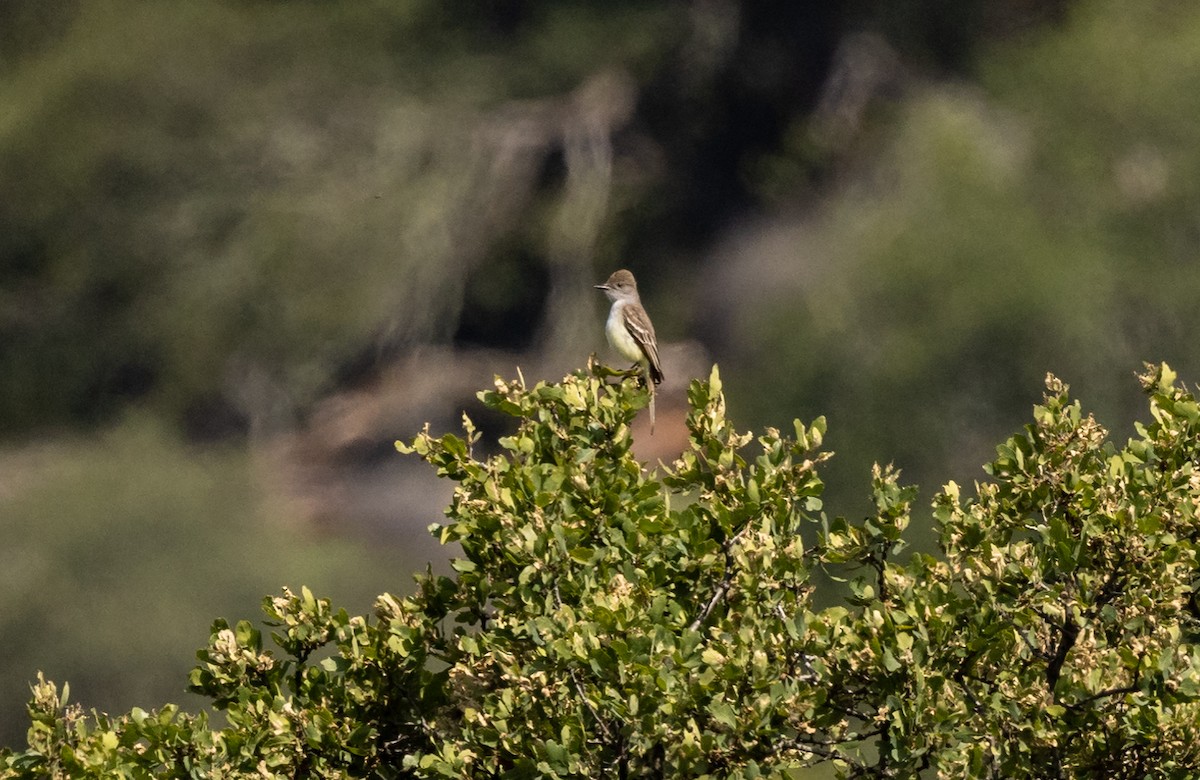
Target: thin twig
[(726, 582), (1133, 688), (717, 597)]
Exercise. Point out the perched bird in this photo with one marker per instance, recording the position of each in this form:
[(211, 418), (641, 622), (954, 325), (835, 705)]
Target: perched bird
[(629, 330)]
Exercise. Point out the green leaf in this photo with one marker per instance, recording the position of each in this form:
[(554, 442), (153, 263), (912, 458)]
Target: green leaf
[(722, 713)]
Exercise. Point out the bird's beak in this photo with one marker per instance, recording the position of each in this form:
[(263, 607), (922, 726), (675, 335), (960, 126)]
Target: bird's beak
[(600, 286)]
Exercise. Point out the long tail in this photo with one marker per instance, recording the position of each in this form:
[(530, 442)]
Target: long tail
[(652, 393)]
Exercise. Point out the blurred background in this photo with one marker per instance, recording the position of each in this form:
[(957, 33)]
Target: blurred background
[(247, 244)]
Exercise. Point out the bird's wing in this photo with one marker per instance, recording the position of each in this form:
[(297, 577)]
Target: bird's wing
[(638, 325)]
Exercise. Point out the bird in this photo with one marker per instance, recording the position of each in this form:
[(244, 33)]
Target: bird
[(630, 331)]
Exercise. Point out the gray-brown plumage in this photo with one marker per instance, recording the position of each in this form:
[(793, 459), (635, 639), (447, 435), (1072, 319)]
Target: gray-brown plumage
[(629, 329)]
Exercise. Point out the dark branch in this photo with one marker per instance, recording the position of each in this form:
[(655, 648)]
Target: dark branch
[(1069, 633)]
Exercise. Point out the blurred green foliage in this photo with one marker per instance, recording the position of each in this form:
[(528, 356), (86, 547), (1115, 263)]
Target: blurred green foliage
[(119, 547), (1039, 219), (195, 198), (238, 198)]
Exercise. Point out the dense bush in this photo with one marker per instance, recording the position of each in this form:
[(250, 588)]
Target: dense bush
[(606, 621)]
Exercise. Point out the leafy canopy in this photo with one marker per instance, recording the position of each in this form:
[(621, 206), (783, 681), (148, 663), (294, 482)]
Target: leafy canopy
[(606, 621)]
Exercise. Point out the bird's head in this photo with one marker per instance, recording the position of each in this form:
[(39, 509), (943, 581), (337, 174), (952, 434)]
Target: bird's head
[(621, 285)]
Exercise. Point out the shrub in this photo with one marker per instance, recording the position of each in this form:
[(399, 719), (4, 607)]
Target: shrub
[(606, 621)]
